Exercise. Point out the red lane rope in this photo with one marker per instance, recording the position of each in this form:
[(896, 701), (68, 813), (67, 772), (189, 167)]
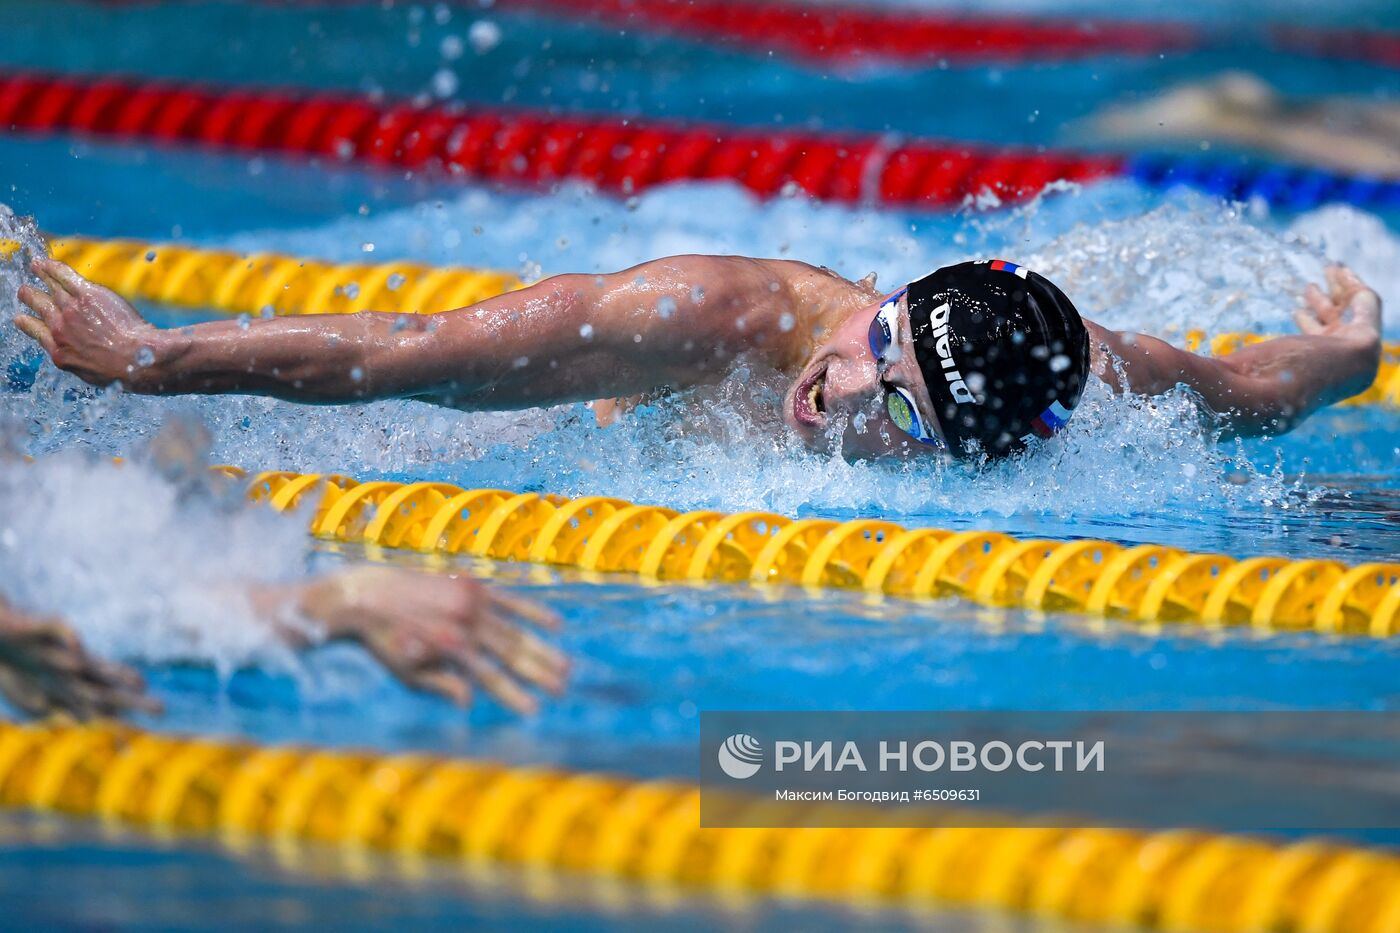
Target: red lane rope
[(519, 147), (835, 33), (840, 32), (1383, 48)]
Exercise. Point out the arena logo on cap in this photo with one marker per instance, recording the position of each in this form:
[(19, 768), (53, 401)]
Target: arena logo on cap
[(943, 344), (1001, 265)]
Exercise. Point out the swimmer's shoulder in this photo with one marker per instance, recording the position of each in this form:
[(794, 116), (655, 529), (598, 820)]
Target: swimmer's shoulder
[(825, 292)]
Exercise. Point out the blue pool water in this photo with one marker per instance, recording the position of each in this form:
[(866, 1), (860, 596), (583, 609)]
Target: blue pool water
[(648, 660)]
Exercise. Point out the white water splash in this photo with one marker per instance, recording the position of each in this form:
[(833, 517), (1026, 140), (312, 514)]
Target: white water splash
[(147, 563)]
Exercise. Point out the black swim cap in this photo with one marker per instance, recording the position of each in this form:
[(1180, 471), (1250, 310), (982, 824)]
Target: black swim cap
[(1003, 351)]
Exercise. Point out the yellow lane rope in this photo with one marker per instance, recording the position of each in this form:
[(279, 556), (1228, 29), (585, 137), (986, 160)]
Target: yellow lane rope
[(649, 831), (1145, 583), (269, 283)]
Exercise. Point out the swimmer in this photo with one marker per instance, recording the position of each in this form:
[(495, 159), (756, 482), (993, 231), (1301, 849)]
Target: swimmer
[(1349, 135), (440, 634), (976, 359)]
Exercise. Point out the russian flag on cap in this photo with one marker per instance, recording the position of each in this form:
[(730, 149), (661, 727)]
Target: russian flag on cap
[(1050, 420), (1001, 265)]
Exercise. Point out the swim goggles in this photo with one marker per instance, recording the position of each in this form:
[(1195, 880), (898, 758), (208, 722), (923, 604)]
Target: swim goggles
[(899, 401)]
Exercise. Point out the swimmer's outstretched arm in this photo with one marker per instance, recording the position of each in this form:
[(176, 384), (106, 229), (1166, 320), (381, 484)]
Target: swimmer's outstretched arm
[(670, 322), (1268, 387)]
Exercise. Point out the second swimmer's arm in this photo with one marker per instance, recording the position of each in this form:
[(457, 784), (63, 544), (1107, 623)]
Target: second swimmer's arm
[(675, 321)]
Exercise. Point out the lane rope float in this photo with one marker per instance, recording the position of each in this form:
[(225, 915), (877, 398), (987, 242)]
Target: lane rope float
[(1143, 584), (1381, 48), (649, 831), (834, 32), (623, 156), (617, 155), (271, 283), (840, 33)]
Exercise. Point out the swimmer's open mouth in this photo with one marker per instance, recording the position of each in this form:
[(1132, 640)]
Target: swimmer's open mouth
[(809, 401)]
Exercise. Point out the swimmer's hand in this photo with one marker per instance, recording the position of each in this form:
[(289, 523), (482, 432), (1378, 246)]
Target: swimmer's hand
[(44, 669), (442, 634), (86, 329), (1350, 310)]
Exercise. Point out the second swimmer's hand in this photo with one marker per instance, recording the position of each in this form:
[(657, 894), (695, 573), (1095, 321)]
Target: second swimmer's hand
[(443, 634), (44, 669), (86, 329)]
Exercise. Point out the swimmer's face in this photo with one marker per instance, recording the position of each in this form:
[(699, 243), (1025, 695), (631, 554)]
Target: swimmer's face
[(844, 382)]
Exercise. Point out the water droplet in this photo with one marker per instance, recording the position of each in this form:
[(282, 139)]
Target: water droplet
[(395, 282), (521, 362), (445, 82), (244, 321), (151, 255), (786, 322), (452, 47), (352, 291), (586, 332), (666, 306), (484, 36), (366, 247), (145, 356), (357, 374), (1059, 363), (697, 294)]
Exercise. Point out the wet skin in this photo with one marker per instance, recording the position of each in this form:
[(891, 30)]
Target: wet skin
[(671, 323)]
